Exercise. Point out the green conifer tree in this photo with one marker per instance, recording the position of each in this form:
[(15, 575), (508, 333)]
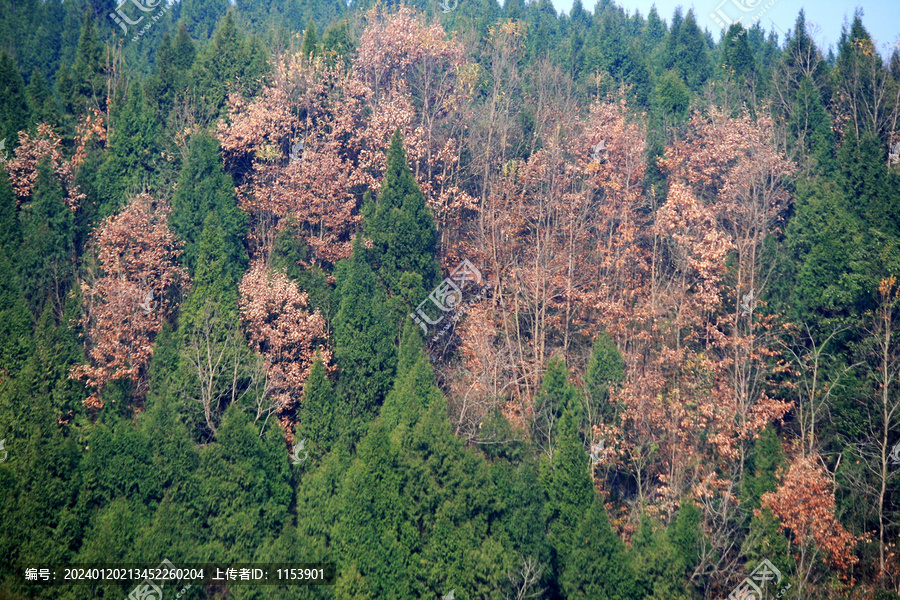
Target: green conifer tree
[(400, 225), (204, 187)]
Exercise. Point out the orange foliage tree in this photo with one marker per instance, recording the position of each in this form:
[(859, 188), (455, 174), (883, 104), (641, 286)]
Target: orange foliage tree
[(134, 292), (805, 507), (279, 326)]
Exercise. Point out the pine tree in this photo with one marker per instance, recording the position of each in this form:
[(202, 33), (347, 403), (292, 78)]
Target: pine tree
[(204, 187), (216, 365), (363, 344), (87, 88), (41, 102), (229, 64), (13, 102), (596, 564), (170, 80), (318, 412), (400, 225), (555, 398), (133, 150), (310, 41), (244, 494), (605, 368), (48, 244), (737, 57), (567, 483), (337, 44)]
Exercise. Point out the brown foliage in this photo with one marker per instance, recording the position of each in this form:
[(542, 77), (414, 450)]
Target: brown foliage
[(279, 325), (805, 506), (30, 151), (133, 294)]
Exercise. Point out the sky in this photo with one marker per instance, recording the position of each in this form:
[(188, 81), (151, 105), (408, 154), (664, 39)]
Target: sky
[(880, 17)]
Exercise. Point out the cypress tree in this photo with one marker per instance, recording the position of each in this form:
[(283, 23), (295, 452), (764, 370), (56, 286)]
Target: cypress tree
[(41, 102), (400, 225), (48, 242), (13, 101), (244, 494), (310, 41), (204, 187), (133, 149), (363, 344), (318, 412), (605, 368)]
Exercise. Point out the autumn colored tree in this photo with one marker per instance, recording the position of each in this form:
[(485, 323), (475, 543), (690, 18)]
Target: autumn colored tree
[(279, 325), (134, 290), (804, 505)]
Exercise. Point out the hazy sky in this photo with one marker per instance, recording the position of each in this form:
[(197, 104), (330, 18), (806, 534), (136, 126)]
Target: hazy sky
[(880, 17)]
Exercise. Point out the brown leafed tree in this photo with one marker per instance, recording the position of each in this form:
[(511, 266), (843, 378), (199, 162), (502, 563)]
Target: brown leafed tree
[(135, 289), (804, 505), (279, 325)]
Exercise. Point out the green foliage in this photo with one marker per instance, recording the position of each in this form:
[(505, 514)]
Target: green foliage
[(596, 564), (216, 366), (686, 51), (337, 43), (133, 152), (230, 63), (243, 490), (41, 101), (290, 255), (605, 368), (763, 468), (400, 225), (318, 418), (310, 40), (363, 344), (48, 243), (13, 102), (556, 397), (203, 187), (168, 83), (737, 58)]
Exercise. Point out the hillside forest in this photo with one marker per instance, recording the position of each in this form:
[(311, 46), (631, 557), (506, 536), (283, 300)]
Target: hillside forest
[(470, 301)]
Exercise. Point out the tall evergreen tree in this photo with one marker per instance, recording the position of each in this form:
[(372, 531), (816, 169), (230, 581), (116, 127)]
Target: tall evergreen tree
[(401, 226), (605, 368), (133, 150), (363, 344), (13, 102), (48, 246), (230, 63), (204, 187), (41, 101)]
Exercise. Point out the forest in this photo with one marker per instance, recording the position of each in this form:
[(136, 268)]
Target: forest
[(469, 301)]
